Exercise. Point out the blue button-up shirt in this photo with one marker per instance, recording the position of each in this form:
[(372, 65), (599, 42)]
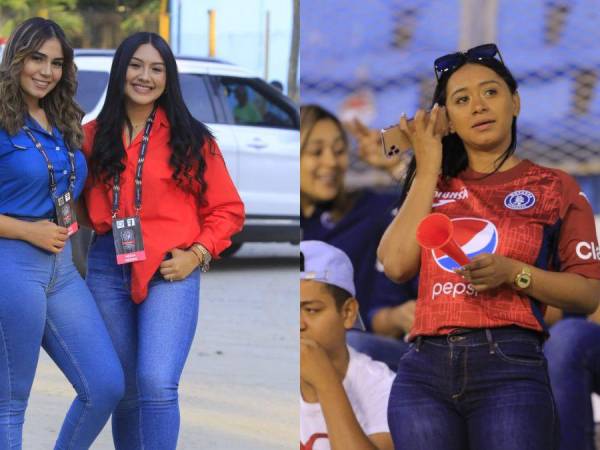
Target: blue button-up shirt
[(24, 179)]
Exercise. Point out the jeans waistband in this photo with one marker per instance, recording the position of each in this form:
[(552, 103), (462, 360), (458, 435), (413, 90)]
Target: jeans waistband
[(477, 336)]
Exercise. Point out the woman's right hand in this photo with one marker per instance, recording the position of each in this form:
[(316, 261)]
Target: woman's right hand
[(426, 141), (46, 235)]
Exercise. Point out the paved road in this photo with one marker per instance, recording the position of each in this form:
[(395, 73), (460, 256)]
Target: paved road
[(239, 390)]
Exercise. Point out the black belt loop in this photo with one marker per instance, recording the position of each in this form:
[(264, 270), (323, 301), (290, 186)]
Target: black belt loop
[(490, 339), (418, 343)]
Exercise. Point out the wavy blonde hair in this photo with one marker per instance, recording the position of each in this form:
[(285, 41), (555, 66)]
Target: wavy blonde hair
[(59, 105)]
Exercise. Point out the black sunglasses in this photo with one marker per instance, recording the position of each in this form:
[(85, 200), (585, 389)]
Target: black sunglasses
[(453, 60)]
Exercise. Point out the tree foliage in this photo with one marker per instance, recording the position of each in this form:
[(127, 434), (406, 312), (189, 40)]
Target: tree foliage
[(86, 22)]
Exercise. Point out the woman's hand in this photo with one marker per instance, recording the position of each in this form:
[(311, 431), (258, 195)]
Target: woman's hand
[(180, 265), (488, 271), (45, 235), (425, 139), (370, 146)]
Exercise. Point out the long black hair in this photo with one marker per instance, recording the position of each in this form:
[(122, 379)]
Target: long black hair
[(188, 135), (454, 155)]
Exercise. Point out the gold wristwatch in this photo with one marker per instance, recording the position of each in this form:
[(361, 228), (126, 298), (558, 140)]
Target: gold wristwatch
[(203, 256), (523, 278)]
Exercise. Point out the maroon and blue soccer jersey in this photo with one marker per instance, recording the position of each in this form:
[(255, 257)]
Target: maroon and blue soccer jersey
[(529, 213)]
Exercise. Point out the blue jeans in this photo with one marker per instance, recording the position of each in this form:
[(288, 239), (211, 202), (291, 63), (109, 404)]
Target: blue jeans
[(44, 301), (573, 353), (152, 340), (380, 348), (481, 390)]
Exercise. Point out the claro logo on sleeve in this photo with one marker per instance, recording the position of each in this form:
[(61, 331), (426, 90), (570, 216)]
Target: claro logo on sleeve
[(588, 250)]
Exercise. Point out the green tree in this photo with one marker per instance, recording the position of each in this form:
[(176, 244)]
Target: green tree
[(63, 12)]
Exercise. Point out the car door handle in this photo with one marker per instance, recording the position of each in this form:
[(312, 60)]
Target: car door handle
[(257, 143)]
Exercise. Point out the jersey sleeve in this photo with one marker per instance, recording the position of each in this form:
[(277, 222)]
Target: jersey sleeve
[(578, 244)]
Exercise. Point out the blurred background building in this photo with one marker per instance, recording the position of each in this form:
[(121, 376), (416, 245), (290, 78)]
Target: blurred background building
[(373, 59)]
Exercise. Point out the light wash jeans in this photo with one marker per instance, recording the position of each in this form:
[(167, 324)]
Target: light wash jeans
[(44, 301), (152, 340)]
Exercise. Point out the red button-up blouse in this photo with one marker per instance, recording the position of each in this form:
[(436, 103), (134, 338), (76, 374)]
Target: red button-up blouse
[(171, 217)]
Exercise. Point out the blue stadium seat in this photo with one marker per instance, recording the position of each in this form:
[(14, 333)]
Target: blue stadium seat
[(387, 105), (582, 33), (520, 25), (543, 102), (437, 27), (520, 31), (331, 29)]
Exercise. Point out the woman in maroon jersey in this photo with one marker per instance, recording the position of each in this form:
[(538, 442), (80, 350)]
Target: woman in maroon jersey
[(476, 376)]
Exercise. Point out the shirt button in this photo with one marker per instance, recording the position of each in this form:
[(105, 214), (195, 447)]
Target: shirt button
[(65, 172), (57, 148)]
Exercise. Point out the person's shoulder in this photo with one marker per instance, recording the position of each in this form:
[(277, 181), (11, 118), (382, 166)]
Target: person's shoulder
[(4, 136), (89, 128), (566, 182), (366, 368), (375, 201), (89, 133)]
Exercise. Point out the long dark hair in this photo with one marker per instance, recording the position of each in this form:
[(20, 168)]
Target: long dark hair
[(454, 155), (59, 104), (188, 135)]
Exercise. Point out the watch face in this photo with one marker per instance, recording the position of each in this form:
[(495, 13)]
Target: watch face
[(523, 281)]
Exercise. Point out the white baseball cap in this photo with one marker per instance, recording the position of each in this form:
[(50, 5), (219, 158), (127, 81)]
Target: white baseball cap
[(327, 264)]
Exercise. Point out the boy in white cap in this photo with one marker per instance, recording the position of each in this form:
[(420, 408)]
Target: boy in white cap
[(344, 393)]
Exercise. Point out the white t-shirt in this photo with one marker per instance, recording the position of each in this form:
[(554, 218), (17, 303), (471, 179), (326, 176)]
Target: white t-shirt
[(367, 384)]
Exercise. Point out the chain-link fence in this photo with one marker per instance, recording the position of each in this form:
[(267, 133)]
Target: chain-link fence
[(374, 60)]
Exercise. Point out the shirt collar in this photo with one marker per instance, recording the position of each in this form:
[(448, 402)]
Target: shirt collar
[(35, 125), (161, 117)]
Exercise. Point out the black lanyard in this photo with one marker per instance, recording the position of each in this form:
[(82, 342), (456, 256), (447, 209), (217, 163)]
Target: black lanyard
[(38, 145), (138, 172)]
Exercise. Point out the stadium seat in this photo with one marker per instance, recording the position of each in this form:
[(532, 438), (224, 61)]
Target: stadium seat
[(437, 27)]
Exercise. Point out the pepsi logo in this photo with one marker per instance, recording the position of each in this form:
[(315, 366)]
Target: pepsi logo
[(519, 200), (474, 236)]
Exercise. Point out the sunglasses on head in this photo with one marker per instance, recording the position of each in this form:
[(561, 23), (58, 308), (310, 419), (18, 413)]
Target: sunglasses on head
[(453, 60)]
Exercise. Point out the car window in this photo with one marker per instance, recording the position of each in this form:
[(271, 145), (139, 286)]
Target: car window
[(253, 104), (197, 97), (90, 86)]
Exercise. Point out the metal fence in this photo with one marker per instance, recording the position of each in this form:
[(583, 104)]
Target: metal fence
[(374, 60)]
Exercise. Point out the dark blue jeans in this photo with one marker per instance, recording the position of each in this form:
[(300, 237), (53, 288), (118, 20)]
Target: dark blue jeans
[(481, 390), (573, 353), (44, 302), (152, 340)]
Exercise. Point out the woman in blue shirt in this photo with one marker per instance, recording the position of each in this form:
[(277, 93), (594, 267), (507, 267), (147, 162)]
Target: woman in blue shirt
[(43, 300)]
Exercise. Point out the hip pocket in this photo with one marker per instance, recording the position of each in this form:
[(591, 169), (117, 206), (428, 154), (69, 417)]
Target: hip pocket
[(525, 353)]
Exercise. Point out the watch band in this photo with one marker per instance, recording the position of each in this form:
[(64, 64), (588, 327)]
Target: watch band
[(203, 255)]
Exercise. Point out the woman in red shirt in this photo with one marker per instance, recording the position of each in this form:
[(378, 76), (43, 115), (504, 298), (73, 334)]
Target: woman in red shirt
[(162, 204), (475, 376)]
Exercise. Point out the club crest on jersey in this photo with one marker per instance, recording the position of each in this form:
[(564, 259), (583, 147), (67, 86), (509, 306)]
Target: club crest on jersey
[(519, 200), (474, 236)]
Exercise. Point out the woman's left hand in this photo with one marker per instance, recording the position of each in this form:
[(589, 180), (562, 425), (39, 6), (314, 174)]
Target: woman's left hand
[(180, 265), (488, 271)]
